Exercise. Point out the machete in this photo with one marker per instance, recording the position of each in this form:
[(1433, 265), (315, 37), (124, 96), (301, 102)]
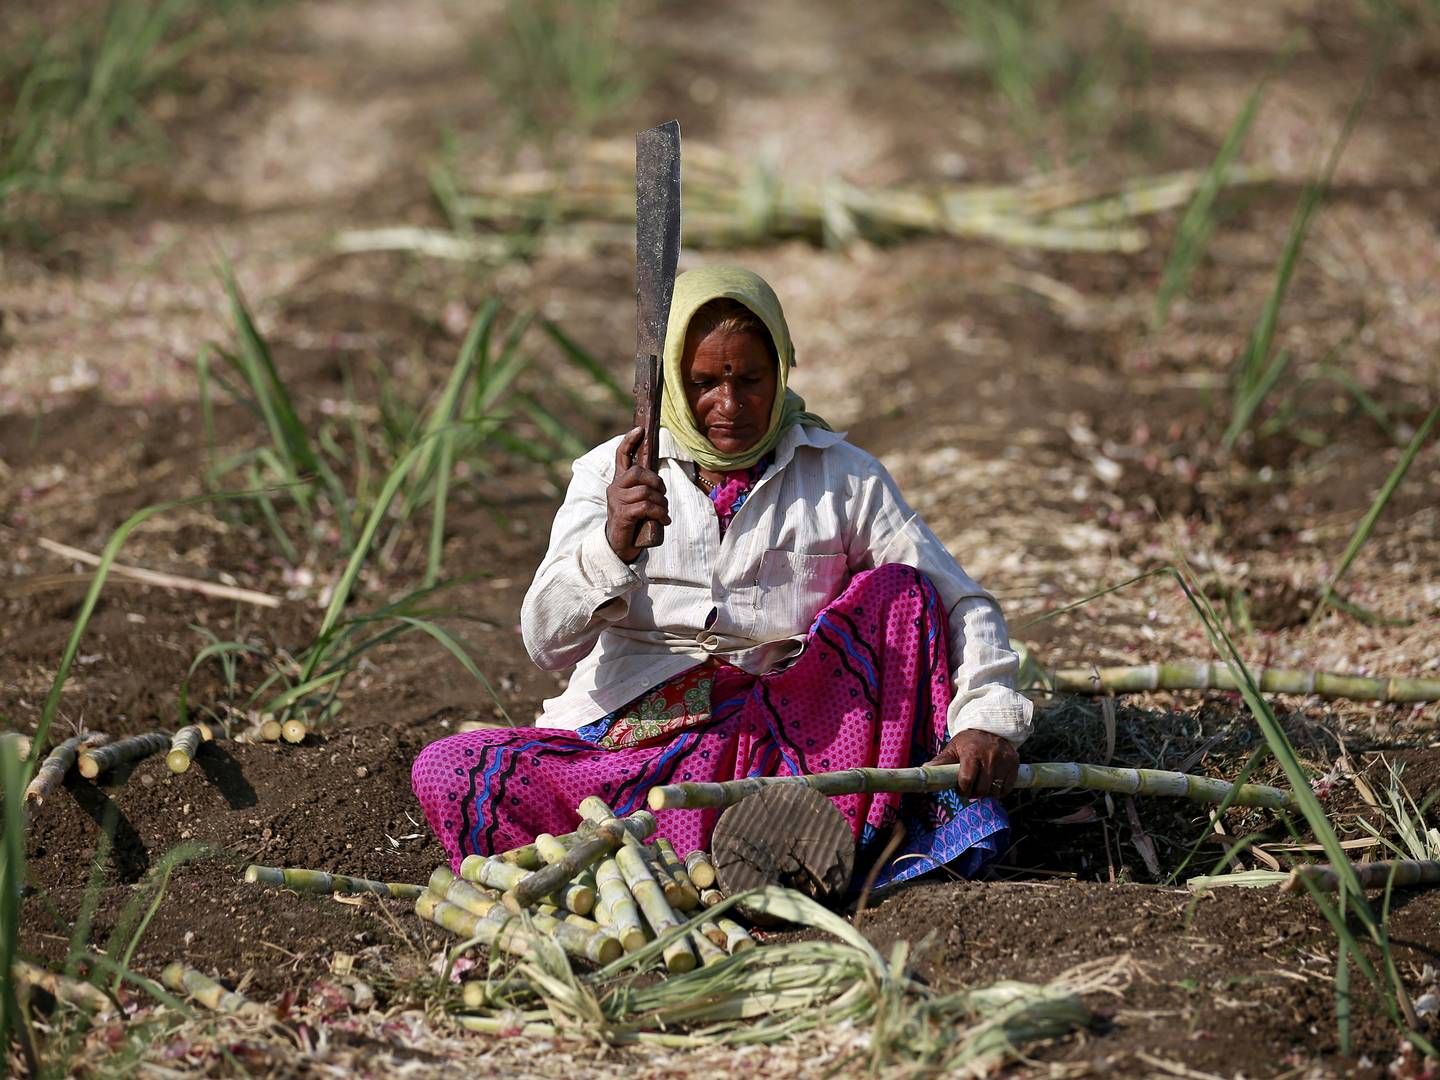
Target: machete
[(657, 249)]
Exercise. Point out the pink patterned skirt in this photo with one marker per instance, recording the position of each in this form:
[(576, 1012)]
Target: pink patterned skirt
[(871, 688)]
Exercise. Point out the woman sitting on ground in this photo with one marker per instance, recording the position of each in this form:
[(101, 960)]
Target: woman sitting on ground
[(797, 617)]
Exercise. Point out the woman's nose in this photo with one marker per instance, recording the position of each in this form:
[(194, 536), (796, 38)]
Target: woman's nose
[(729, 400)]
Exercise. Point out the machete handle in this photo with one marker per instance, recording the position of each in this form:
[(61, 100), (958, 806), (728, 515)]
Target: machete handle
[(649, 534)]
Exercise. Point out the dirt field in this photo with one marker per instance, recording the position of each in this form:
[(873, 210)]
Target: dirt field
[(1052, 438)]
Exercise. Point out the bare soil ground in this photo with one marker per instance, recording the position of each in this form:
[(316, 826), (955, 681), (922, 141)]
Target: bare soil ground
[(1052, 438)]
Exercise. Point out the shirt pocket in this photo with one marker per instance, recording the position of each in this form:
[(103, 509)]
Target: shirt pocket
[(793, 588)]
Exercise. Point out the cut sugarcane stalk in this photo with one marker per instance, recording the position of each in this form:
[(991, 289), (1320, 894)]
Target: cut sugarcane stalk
[(688, 895), (184, 744), (482, 994), (495, 1025), (668, 885), (616, 909), (711, 930), (708, 951), (1053, 774), (698, 866), (588, 925), (595, 810), (294, 731), (527, 857), (501, 934), (270, 729), (186, 980), (1205, 675), (53, 769), (1407, 873), (508, 879), (679, 957), (99, 759), (710, 897), (318, 881), (737, 938), (461, 893), (550, 848), (597, 946), (599, 841), (83, 995), (492, 874), (639, 826)]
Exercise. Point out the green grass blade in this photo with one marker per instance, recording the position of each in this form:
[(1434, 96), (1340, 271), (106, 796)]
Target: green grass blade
[(340, 595), (13, 777), (1254, 396), (287, 433), (458, 651), (436, 554), (1377, 507), (587, 363), (1192, 236), (1255, 362)]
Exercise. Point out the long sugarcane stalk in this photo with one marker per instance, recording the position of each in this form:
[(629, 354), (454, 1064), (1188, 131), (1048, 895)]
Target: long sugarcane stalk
[(678, 955), (53, 769), (318, 881), (616, 908), (1203, 675), (922, 778), (697, 865), (61, 987), (728, 205), (99, 759), (186, 980), (1402, 873)]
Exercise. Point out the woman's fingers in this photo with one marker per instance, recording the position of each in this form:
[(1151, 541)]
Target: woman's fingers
[(969, 770), (625, 452), (635, 476), (987, 763)]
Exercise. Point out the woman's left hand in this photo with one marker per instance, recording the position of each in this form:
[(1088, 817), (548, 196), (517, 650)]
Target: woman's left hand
[(988, 763)]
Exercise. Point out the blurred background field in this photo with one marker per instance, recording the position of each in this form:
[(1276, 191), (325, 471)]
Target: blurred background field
[(1106, 284)]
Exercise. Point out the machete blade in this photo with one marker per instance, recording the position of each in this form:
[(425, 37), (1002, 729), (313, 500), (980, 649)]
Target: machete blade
[(657, 233)]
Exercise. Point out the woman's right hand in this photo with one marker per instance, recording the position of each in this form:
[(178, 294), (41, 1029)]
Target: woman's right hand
[(635, 495)]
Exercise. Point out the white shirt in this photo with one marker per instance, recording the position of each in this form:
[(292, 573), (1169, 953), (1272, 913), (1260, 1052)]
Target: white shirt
[(824, 511)]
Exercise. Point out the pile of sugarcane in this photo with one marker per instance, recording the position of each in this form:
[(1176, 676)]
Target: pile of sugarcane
[(598, 893), (728, 205), (603, 891)]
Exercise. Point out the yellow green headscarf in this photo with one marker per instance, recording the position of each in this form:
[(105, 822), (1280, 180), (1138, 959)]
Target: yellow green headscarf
[(694, 289)]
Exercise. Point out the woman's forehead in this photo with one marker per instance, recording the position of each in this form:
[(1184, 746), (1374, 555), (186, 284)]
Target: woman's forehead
[(722, 349)]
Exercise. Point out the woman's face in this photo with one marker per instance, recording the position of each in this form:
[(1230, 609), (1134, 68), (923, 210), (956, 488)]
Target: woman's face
[(730, 384)]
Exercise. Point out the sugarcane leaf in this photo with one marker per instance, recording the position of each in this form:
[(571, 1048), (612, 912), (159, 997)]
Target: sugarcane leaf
[(1377, 507)]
